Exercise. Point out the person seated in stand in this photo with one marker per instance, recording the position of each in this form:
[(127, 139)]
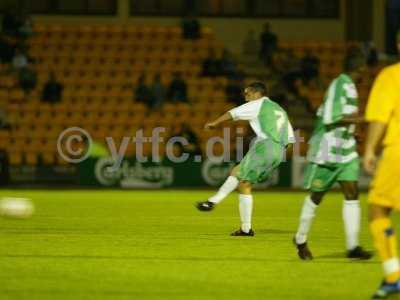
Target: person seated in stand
[(157, 91), (269, 45), (142, 91), (193, 146), (52, 91), (191, 28), (177, 90), (20, 60), (234, 92), (309, 67), (211, 65)]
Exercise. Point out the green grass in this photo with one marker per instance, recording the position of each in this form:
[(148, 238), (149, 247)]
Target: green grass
[(155, 245)]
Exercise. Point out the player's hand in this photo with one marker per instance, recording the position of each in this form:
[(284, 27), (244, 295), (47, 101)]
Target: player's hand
[(210, 125), (369, 162), (359, 137)]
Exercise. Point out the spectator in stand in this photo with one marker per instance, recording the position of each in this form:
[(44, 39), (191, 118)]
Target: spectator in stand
[(26, 28), (392, 26), (177, 90), (250, 44), (309, 65), (291, 73), (233, 92), (211, 65), (191, 28), (142, 91), (279, 93), (20, 60), (269, 45), (228, 65), (52, 91), (10, 23), (158, 92), (193, 146), (7, 50), (371, 54), (27, 79), (4, 121)]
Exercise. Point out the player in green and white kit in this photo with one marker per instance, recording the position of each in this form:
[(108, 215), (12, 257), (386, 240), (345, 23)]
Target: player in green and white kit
[(274, 133), (332, 157)]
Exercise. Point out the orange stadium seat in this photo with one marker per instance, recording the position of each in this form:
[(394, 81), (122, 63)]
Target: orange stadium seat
[(15, 157)]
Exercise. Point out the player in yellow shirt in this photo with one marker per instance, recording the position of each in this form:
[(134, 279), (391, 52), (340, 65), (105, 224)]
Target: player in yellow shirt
[(383, 115)]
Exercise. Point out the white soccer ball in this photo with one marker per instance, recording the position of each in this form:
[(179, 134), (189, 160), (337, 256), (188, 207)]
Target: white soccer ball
[(20, 208)]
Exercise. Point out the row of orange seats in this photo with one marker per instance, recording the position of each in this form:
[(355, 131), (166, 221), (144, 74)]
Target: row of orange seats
[(119, 58), (189, 72), (123, 44), (32, 159), (116, 30)]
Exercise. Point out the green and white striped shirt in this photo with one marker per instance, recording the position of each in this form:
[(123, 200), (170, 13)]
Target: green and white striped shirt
[(267, 119), (335, 144)]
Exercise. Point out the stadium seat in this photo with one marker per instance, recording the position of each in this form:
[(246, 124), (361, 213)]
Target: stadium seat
[(15, 158)]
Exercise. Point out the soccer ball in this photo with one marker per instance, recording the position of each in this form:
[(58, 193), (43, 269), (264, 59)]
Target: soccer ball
[(20, 208)]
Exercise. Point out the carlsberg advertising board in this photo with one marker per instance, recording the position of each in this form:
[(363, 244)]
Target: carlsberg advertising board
[(134, 174)]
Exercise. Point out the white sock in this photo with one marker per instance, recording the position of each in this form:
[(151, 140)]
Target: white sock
[(351, 219), (245, 210), (391, 266), (306, 218), (229, 185)]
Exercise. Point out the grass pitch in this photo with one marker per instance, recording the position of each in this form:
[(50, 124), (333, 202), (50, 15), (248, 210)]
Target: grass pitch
[(155, 245)]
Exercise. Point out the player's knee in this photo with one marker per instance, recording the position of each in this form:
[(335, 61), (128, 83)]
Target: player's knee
[(234, 171), (351, 194), (244, 187), (376, 212), (350, 190), (317, 197)]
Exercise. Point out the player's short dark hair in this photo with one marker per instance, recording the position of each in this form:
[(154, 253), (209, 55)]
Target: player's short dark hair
[(258, 86), (354, 59)]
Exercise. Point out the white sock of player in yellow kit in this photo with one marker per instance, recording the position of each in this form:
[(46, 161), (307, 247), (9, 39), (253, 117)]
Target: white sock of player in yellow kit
[(229, 186), (245, 210), (351, 220)]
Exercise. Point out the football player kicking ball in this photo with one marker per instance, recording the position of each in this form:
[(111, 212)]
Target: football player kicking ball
[(332, 158), (274, 133)]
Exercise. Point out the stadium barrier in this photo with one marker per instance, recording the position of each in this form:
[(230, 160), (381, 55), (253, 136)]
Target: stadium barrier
[(97, 172), (134, 174)]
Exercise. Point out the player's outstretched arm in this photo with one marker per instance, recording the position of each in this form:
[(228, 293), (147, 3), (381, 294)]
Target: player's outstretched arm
[(376, 130), (352, 119), (347, 120), (225, 117)]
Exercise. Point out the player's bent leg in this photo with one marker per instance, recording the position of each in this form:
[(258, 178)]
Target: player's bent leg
[(307, 215), (229, 186), (318, 179), (261, 159), (245, 209), (385, 242), (351, 214)]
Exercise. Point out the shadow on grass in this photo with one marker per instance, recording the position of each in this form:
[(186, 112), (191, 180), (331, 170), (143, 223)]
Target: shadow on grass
[(274, 231), (341, 256)]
